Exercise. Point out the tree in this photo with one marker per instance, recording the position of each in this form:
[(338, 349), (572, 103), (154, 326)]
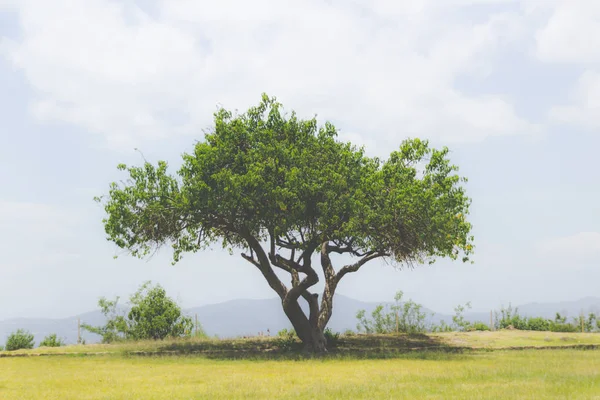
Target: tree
[(20, 339), (153, 315), (281, 189)]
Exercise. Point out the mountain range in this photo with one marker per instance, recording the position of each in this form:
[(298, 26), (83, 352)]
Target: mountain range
[(250, 317)]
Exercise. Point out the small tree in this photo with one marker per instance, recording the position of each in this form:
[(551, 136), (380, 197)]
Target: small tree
[(152, 315), (155, 316), (52, 341), (116, 326), (458, 318), (21, 339), (283, 190)]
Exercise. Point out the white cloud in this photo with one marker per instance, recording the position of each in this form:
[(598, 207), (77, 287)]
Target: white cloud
[(385, 70), (572, 33), (585, 103), (577, 250)]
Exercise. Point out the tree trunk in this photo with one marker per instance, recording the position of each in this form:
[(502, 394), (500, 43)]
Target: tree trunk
[(308, 331), (317, 343)]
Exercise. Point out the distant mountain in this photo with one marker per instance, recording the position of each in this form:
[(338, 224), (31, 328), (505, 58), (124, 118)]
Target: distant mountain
[(65, 328), (249, 317), (568, 308)]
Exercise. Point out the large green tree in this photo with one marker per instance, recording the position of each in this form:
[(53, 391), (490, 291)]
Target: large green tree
[(283, 190)]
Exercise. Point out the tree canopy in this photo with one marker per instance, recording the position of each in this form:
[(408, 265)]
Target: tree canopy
[(283, 189)]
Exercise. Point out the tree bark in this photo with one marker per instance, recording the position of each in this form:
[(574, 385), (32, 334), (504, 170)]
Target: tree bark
[(310, 330)]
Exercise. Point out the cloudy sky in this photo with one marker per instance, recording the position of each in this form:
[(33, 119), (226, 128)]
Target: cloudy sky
[(512, 87)]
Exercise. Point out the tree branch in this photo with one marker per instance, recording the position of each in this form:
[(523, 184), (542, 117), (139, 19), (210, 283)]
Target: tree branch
[(262, 262), (250, 259), (356, 266)]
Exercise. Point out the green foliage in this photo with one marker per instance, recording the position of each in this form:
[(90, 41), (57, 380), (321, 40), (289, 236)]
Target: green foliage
[(458, 318), (332, 337), (286, 333), (52, 341), (1, 348), (510, 318), (155, 316), (262, 174), (401, 317), (442, 327), (116, 327), (21, 339), (560, 324), (287, 339), (538, 324), (479, 326), (152, 315)]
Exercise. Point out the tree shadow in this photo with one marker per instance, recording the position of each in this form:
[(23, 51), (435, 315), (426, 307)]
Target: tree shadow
[(419, 346)]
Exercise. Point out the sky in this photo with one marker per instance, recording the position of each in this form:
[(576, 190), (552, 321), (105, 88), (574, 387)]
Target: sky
[(512, 87)]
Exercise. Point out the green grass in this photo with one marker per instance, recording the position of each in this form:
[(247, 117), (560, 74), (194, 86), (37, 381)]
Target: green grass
[(527, 374)]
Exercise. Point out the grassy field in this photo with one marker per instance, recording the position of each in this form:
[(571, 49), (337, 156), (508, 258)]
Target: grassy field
[(422, 367), (528, 374)]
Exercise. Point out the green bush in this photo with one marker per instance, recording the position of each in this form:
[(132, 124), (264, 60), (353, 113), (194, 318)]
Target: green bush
[(21, 339), (401, 317), (510, 318), (284, 333), (563, 327), (538, 324), (332, 337), (479, 326), (52, 341), (442, 327), (286, 339)]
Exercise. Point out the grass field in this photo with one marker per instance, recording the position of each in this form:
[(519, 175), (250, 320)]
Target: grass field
[(433, 373)]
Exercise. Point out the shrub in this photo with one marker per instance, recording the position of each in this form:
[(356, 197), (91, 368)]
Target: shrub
[(479, 326), (349, 332), (284, 333), (562, 327), (52, 341), (538, 324), (20, 339), (332, 337), (511, 317), (1, 348), (442, 327), (286, 339), (404, 317)]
